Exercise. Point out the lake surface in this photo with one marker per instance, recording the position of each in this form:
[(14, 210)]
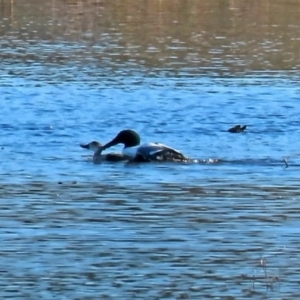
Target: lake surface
[(178, 72)]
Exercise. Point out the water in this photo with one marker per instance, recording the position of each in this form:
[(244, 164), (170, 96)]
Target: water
[(181, 73)]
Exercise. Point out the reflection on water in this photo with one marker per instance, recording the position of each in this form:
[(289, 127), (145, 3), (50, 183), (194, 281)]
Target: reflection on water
[(180, 242), (178, 72), (205, 37)]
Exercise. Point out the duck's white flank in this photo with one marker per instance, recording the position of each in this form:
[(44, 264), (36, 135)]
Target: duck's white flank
[(146, 150)]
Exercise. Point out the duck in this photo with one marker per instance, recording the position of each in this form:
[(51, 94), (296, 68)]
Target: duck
[(98, 158), (134, 151), (237, 128)]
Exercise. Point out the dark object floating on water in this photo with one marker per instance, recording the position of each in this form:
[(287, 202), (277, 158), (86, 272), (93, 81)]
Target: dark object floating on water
[(286, 162), (237, 128), (98, 157)]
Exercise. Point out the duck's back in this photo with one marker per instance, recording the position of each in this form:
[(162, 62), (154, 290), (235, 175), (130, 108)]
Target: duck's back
[(158, 151)]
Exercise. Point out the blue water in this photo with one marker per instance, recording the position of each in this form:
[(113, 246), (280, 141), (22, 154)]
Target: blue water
[(42, 126), (73, 229)]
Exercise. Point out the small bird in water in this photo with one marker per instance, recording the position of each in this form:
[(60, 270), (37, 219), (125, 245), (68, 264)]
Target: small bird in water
[(143, 153), (237, 128), (98, 158)]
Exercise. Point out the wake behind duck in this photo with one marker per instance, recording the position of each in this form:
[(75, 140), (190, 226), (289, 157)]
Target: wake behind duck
[(157, 152)]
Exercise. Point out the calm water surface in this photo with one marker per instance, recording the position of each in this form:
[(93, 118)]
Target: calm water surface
[(178, 72)]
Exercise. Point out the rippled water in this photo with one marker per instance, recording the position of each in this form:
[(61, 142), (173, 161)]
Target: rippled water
[(178, 72)]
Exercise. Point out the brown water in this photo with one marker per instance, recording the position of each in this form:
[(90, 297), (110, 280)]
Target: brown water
[(214, 36), (179, 71)]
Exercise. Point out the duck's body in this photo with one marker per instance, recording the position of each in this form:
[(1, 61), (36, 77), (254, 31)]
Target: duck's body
[(146, 152), (153, 152), (98, 157)]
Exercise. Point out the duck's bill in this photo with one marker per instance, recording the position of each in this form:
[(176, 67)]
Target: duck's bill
[(85, 146), (110, 144)]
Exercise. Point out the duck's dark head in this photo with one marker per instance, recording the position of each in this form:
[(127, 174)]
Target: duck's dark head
[(127, 137)]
